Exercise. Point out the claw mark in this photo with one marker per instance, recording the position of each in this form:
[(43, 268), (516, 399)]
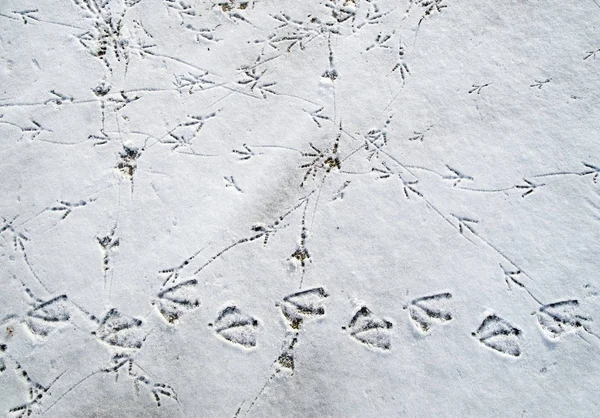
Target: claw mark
[(498, 334), (428, 309), (157, 389), (370, 330), (591, 54), (465, 223), (230, 182), (419, 135), (316, 115), (341, 192), (595, 171), (246, 153), (457, 176), (529, 187), (67, 207), (540, 83), (236, 327), (477, 88)]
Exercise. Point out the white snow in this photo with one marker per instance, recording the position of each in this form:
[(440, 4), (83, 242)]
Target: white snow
[(334, 208)]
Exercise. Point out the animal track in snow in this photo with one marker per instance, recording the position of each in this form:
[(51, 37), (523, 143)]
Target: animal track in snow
[(3, 348), (286, 358), (370, 330), (498, 334), (173, 301), (281, 96), (36, 392), (559, 318), (426, 310), (296, 308), (236, 327), (300, 306), (45, 315), (118, 330), (158, 389), (108, 244)]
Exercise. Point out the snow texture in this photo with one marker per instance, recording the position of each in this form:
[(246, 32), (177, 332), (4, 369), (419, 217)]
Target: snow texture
[(277, 208)]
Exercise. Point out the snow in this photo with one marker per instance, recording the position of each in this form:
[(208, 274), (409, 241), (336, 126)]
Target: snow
[(279, 208)]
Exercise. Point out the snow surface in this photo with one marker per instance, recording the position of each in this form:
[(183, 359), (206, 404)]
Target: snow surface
[(273, 208)]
